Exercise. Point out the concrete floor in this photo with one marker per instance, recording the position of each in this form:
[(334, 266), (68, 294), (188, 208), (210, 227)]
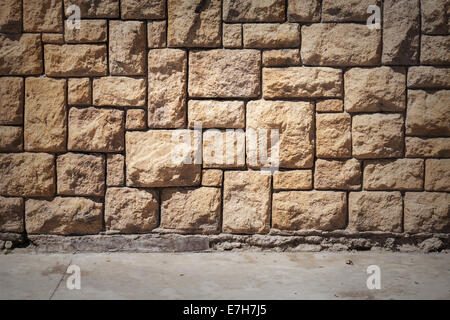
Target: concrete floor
[(226, 275)]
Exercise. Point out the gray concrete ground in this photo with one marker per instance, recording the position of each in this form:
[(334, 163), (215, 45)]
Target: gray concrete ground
[(225, 275)]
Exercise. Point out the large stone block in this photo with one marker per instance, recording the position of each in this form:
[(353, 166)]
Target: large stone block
[(435, 16), (304, 10), (428, 77), (337, 175), (11, 138), (138, 9), (434, 50), (232, 35), (119, 91), (94, 8), (79, 91), (346, 10), (11, 215), (271, 35), (20, 54), (11, 100), (437, 175), (253, 11), (90, 31), (11, 16), (292, 180), (42, 16), (223, 149), (217, 114), (427, 147), (156, 34), (333, 135)]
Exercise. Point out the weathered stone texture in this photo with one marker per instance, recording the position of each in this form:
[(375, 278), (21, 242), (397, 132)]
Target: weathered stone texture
[(427, 147), (346, 10), (42, 16), (94, 9), (232, 35), (303, 10), (79, 91), (135, 119), (114, 170), (304, 210), (292, 180), (20, 54), (11, 100), (131, 210), (156, 34), (253, 11), (223, 149), (11, 215), (11, 16), (271, 35), (333, 136), (53, 38), (193, 210), (138, 9), (11, 138), (119, 91), (435, 16), (330, 105), (216, 114), (437, 175), (246, 202), (428, 77), (281, 57), (212, 178), (434, 50), (89, 31), (337, 175)]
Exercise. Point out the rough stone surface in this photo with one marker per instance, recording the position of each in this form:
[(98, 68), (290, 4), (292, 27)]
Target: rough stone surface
[(63, 216), (94, 9), (222, 149), (347, 44), (376, 89), (292, 180), (428, 113), (246, 202), (427, 212), (75, 60), (333, 136), (138, 9), (377, 136), (346, 10), (304, 210), (330, 105), (401, 174), (253, 11), (232, 35), (281, 57), (135, 119), (301, 82), (428, 77), (435, 16), (11, 16), (153, 159), (216, 114), (401, 29), (437, 175), (54, 38), (11, 138), (90, 31), (434, 50), (11, 215), (45, 115), (375, 211), (95, 130), (131, 210), (193, 210), (303, 10), (212, 178), (119, 91), (80, 174), (79, 91), (11, 100), (156, 34), (427, 147), (194, 23), (20, 54), (27, 174), (42, 16), (224, 73), (337, 175), (271, 35), (294, 120), (114, 170)]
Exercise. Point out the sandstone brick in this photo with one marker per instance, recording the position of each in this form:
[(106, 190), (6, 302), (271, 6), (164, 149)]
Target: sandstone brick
[(435, 16), (303, 10), (154, 159), (246, 202), (11, 100), (95, 130), (135, 119), (94, 9), (137, 9), (338, 175), (281, 57), (253, 11), (127, 47), (401, 29), (114, 170), (341, 45), (193, 23), (131, 210), (224, 73), (427, 212), (377, 89), (196, 210), (375, 211), (167, 69), (377, 136), (79, 91), (301, 82), (333, 136), (427, 113), (428, 77), (232, 35), (119, 91), (80, 174), (90, 31), (346, 10), (45, 115), (294, 120), (11, 138), (434, 50), (223, 149), (75, 60), (303, 210), (53, 38), (292, 179), (20, 54), (400, 174), (11, 16), (437, 175), (27, 174), (271, 35), (42, 16), (11, 215), (156, 34), (216, 114), (330, 105), (63, 216), (427, 147), (212, 178)]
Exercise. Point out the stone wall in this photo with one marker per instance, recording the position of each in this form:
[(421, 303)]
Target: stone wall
[(88, 116)]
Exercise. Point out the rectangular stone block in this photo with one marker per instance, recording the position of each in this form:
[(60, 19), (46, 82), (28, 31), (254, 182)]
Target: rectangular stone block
[(90, 31), (435, 16), (167, 69), (224, 73), (301, 82), (309, 210), (223, 149), (428, 77), (53, 38), (253, 11), (434, 50), (45, 115), (20, 54), (281, 57), (42, 16), (11, 139), (271, 35), (11, 100), (400, 174), (138, 9), (191, 210), (232, 35), (115, 170), (27, 174), (337, 175), (79, 91), (119, 91), (94, 9), (136, 119), (11, 16), (437, 175), (333, 135), (156, 34), (246, 202), (216, 114), (330, 105), (75, 60), (292, 180), (11, 215), (427, 147), (212, 178), (347, 10), (304, 10)]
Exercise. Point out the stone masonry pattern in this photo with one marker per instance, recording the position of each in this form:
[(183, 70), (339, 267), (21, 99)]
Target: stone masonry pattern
[(88, 115)]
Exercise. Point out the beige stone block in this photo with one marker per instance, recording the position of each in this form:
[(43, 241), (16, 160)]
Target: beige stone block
[(119, 91), (115, 170), (304, 10), (11, 215), (337, 175), (347, 10), (11, 138), (271, 35), (42, 16), (135, 119), (232, 35), (330, 105), (11, 100), (79, 91), (20, 54), (216, 114), (138, 9), (427, 147), (89, 31), (281, 57), (428, 77), (212, 178), (94, 9), (437, 175), (292, 180), (333, 135), (156, 34), (11, 16), (253, 11), (434, 50), (223, 149)]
